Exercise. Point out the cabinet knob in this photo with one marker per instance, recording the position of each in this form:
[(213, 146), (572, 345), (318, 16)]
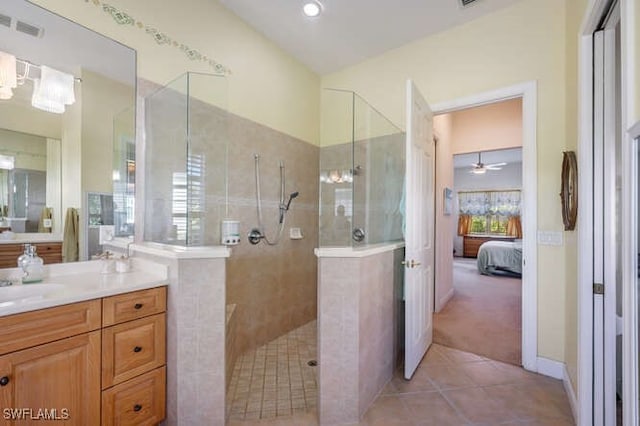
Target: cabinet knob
[(138, 306), (4, 381), (137, 349), (137, 407)]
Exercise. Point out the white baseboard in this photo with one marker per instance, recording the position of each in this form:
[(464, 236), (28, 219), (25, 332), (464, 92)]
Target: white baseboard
[(550, 368), (568, 388), (445, 299)]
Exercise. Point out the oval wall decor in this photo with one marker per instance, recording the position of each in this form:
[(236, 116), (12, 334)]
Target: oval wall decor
[(569, 191)]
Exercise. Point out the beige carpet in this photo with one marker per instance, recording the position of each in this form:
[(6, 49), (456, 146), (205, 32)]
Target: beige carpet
[(483, 316)]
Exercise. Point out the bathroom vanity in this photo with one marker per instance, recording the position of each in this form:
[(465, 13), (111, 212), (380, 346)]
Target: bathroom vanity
[(96, 361)]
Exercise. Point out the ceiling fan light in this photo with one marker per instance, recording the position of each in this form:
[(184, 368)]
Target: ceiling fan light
[(479, 171)]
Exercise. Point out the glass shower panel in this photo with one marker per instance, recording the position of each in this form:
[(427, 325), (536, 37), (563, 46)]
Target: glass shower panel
[(186, 161), (378, 175), (336, 166), (362, 168), (124, 172)]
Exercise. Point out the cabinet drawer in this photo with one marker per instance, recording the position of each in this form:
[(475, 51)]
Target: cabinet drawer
[(130, 306), (132, 348), (28, 329), (139, 401)]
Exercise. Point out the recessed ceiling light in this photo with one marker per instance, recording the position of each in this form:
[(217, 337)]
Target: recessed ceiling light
[(312, 9)]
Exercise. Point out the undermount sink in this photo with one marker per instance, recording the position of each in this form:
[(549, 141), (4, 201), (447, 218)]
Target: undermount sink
[(26, 291)]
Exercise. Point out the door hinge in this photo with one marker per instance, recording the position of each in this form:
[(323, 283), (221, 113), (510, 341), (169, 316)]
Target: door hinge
[(598, 288)]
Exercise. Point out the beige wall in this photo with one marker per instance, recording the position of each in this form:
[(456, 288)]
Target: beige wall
[(102, 100), (266, 85), (523, 42), (30, 151), (26, 119), (489, 127), (443, 128)]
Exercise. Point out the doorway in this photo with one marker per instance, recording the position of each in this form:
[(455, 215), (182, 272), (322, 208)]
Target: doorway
[(444, 261), (484, 314)]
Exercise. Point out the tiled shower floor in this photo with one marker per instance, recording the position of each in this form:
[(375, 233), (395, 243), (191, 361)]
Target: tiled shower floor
[(274, 380)]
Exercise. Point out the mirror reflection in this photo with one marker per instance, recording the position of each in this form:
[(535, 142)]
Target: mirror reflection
[(67, 121), (29, 181)]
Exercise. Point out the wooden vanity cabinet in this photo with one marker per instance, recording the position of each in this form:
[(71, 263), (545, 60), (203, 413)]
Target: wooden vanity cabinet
[(134, 358), (49, 252), (66, 361)]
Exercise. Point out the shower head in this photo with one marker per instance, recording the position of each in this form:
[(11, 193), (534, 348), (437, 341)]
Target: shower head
[(291, 197)]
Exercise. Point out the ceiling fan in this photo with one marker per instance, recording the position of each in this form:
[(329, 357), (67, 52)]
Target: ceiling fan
[(480, 168)]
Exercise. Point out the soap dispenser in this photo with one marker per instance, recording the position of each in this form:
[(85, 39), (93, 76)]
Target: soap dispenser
[(33, 267), (24, 256)]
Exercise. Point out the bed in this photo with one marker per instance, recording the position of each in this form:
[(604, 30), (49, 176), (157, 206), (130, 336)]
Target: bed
[(500, 258)]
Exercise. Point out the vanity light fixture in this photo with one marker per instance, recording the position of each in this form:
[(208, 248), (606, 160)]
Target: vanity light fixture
[(312, 9), (8, 75), (53, 90), (7, 162)]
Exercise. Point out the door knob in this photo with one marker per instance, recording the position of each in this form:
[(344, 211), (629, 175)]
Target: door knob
[(411, 264)]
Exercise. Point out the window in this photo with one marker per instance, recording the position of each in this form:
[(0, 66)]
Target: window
[(488, 212), (489, 224)]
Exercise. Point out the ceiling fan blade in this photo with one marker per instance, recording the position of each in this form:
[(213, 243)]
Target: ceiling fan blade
[(492, 167), (496, 164)]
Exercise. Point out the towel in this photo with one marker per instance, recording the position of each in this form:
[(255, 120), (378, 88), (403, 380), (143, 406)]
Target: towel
[(8, 75), (70, 250), (47, 213), (53, 90)]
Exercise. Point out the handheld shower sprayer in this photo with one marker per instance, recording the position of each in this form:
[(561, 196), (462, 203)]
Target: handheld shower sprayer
[(285, 207), (257, 234), (291, 197)]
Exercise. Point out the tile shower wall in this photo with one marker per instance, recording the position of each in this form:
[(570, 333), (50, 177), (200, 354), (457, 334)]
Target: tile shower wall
[(357, 326), (373, 200), (274, 287)]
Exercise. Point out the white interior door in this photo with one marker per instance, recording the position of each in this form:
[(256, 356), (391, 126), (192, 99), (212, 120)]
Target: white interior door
[(606, 142), (419, 230)]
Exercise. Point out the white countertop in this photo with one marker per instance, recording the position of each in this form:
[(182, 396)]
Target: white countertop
[(358, 251), (83, 281), (21, 238)]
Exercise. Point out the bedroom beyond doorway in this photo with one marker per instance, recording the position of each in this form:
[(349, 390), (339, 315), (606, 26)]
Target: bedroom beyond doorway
[(482, 311), (484, 315)]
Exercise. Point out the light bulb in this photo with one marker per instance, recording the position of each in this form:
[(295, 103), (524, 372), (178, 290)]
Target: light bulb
[(312, 9)]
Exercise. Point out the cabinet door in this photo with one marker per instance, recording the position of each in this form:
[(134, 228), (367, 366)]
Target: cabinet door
[(58, 380)]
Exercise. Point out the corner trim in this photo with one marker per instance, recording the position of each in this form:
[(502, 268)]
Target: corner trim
[(551, 368), (568, 388), (444, 300)]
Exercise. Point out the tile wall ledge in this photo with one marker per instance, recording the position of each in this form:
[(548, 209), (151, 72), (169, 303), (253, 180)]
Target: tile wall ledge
[(363, 251), (181, 252)]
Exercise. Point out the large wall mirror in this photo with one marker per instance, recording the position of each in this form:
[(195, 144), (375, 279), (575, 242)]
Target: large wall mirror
[(57, 147)]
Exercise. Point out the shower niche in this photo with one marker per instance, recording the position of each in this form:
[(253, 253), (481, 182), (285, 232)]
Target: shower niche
[(185, 170), (362, 169)]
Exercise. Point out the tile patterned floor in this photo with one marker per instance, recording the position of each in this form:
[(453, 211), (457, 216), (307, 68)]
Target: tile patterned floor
[(454, 388), (274, 380)]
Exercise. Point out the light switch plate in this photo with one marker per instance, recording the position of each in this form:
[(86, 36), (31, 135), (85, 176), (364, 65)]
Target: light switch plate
[(550, 238)]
